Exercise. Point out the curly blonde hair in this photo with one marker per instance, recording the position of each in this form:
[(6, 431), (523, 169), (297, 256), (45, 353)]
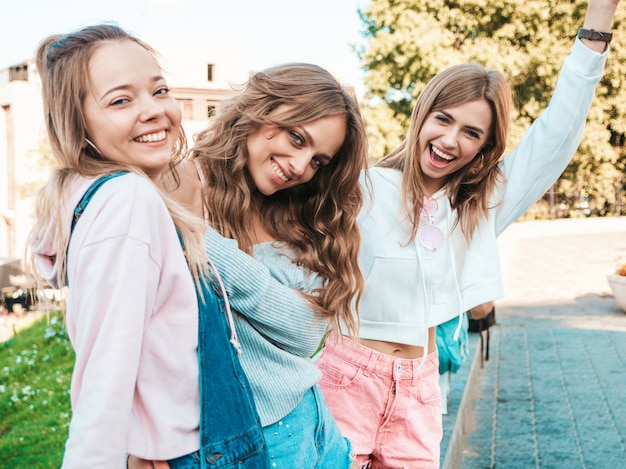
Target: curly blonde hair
[(318, 219)]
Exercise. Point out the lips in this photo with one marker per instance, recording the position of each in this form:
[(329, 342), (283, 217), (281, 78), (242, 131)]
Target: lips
[(440, 156), (279, 172)]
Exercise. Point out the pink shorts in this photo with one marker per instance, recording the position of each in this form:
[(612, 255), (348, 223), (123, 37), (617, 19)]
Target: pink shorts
[(390, 409)]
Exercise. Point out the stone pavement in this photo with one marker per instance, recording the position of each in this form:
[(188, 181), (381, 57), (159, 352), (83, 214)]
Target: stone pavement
[(553, 394)]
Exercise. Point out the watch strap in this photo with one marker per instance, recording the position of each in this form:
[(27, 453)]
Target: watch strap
[(594, 35)]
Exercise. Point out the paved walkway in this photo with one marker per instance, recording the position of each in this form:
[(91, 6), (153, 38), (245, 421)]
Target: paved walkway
[(553, 394)]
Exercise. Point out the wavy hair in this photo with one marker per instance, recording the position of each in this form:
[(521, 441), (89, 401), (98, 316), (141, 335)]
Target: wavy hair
[(62, 63), (469, 187), (316, 219)]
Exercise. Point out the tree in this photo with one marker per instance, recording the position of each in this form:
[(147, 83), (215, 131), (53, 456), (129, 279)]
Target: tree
[(38, 164), (409, 41)]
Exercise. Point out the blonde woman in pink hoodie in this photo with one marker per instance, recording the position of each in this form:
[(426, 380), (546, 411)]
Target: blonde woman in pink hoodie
[(136, 268)]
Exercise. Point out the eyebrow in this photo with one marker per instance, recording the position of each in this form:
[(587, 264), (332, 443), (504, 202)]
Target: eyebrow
[(470, 127), (309, 138), (154, 79)]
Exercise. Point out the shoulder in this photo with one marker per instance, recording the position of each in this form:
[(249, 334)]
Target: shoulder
[(129, 197), (188, 191), (127, 206), (385, 176), (132, 185), (383, 182)]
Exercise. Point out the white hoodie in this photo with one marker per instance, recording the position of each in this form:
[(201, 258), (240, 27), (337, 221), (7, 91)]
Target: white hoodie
[(410, 288)]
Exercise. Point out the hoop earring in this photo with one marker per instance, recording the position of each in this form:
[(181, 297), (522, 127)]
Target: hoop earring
[(482, 160), (91, 144), (476, 168)]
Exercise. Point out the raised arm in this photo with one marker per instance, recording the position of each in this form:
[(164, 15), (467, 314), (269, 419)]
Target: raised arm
[(548, 146)]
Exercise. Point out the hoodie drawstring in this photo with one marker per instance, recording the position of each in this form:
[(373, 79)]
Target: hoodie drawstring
[(229, 314)]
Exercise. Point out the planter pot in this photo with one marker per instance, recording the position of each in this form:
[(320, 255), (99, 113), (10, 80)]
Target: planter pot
[(618, 285)]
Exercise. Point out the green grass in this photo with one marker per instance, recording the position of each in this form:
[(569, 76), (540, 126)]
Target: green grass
[(35, 372)]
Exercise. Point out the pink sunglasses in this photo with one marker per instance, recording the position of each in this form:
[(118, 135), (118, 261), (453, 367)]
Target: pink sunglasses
[(430, 236)]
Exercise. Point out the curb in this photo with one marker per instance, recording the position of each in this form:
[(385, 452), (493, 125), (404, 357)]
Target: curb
[(464, 421)]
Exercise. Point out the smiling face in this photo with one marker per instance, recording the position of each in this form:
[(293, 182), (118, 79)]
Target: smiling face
[(283, 158), (450, 139), (130, 116)]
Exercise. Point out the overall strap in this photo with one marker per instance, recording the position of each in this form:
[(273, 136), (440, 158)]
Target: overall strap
[(231, 432), (89, 193), (84, 201)]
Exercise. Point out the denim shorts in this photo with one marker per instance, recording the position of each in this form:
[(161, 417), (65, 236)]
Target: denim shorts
[(390, 408), (254, 460), (308, 437)]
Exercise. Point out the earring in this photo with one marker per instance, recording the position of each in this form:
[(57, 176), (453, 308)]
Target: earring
[(91, 144), (482, 159), (476, 167)]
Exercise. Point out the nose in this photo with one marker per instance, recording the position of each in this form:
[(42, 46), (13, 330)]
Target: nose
[(298, 164), (449, 138), (151, 109)]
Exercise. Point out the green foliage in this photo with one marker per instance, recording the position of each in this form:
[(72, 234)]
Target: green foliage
[(38, 164), (384, 132), (35, 373), (410, 41)]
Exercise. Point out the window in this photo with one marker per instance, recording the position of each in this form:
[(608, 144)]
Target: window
[(187, 108), (18, 72), (210, 110), (209, 72)]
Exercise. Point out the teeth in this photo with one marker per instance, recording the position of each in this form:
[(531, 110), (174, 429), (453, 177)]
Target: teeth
[(440, 154), (156, 137), (279, 173)]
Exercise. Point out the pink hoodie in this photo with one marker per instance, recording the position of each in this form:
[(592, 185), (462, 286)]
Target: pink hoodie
[(132, 319)]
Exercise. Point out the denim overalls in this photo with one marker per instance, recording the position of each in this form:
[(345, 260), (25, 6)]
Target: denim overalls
[(230, 429), (231, 435)]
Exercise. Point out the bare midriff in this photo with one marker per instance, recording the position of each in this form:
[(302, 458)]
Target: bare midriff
[(402, 350)]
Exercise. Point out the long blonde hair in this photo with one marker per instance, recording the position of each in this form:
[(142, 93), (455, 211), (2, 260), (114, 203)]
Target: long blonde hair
[(468, 188), (316, 219), (62, 62)]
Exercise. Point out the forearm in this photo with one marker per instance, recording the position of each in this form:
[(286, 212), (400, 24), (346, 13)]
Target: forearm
[(599, 17), (276, 310)]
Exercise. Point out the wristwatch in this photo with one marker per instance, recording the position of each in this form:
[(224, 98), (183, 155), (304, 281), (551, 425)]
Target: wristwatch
[(594, 35)]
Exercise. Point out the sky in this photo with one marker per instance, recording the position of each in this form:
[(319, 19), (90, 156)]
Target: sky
[(268, 31)]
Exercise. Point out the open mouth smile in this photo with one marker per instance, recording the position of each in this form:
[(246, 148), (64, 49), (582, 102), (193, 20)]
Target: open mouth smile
[(150, 138), (439, 158), (279, 172)]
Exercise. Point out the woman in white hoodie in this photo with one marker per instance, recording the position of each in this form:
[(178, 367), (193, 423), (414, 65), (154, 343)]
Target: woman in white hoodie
[(429, 251)]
